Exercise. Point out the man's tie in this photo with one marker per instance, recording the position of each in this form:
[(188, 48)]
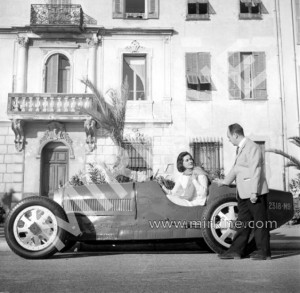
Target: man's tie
[(237, 151)]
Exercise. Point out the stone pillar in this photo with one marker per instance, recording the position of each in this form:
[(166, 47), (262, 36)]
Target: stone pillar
[(22, 64), (167, 66), (92, 58)]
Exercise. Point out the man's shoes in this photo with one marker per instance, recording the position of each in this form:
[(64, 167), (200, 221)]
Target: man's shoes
[(229, 255), (259, 256)]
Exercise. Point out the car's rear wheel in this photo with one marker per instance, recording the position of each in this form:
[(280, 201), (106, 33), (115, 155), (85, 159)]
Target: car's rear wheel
[(32, 228), (218, 224)]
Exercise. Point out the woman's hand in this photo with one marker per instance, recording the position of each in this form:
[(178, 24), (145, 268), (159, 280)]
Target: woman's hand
[(194, 176)]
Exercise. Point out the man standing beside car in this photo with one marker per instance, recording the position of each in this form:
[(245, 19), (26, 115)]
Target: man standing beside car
[(252, 190)]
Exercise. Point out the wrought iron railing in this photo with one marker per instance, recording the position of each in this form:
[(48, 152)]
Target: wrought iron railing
[(50, 14), (208, 152), (67, 104)]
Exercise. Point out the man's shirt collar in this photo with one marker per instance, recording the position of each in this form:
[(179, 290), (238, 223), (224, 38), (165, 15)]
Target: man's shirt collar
[(242, 142)]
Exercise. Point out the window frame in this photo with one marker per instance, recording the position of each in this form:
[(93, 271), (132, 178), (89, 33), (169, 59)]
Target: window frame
[(46, 60), (147, 148), (250, 15), (259, 86), (146, 77), (151, 10), (190, 17), (208, 144)]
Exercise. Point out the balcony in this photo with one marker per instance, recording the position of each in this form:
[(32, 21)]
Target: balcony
[(60, 107), (56, 18)]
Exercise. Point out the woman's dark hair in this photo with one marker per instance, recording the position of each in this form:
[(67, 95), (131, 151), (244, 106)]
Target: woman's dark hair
[(180, 167)]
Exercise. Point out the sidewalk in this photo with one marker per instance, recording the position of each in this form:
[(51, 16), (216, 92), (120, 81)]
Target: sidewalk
[(286, 237)]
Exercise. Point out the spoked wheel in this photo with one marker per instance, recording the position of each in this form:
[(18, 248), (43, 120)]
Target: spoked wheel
[(32, 228), (219, 229), (224, 218)]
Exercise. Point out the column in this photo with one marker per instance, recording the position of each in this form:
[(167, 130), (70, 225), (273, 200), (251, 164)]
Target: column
[(22, 64), (167, 66), (92, 58)]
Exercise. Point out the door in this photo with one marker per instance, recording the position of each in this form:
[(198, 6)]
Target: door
[(54, 171)]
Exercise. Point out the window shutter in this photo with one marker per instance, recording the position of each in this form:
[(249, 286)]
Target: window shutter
[(234, 75), (153, 8), (204, 67), (118, 8), (259, 78), (52, 74), (211, 9), (191, 61)]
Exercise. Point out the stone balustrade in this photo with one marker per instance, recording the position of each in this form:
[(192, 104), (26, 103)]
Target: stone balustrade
[(29, 104)]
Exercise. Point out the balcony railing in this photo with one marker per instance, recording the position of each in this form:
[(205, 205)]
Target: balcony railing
[(45, 16), (49, 106)]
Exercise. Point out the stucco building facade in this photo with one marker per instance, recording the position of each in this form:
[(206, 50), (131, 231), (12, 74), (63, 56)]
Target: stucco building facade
[(193, 68)]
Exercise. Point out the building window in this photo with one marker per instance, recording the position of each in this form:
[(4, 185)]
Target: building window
[(134, 71), (135, 9), (207, 153), (198, 76), (247, 76), (199, 10), (139, 156), (252, 9), (57, 74)]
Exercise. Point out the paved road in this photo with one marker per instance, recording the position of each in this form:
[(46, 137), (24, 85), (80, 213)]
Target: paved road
[(160, 268)]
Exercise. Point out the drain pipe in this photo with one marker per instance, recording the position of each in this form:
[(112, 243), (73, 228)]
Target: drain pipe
[(282, 93), (296, 71)]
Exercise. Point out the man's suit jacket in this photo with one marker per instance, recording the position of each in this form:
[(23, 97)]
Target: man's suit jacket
[(248, 171)]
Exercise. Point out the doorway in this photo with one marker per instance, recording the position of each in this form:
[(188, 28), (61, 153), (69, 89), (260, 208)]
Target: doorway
[(54, 168)]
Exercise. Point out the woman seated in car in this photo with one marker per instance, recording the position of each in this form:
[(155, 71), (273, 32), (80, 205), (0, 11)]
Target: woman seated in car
[(191, 188)]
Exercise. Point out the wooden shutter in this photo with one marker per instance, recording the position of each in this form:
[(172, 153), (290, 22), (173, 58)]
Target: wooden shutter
[(211, 9), (63, 75), (204, 67), (191, 64), (259, 75), (52, 74), (153, 8), (118, 8), (234, 75)]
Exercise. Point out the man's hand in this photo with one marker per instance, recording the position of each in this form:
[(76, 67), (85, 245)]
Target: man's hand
[(253, 197), (219, 182)]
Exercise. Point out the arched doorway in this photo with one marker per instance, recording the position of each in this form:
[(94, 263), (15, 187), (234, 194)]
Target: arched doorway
[(54, 167)]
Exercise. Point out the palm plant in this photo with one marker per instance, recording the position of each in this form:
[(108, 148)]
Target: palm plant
[(293, 161), (110, 117)]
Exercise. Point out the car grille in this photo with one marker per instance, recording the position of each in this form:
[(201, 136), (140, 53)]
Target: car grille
[(91, 205)]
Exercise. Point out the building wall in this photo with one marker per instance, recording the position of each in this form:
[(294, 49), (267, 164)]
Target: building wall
[(223, 33)]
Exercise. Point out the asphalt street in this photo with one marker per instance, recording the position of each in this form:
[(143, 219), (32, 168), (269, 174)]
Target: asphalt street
[(154, 268)]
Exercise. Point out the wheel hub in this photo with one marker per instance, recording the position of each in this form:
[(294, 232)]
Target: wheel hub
[(35, 229)]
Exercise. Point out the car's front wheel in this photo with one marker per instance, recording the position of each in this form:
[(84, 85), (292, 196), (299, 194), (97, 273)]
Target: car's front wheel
[(218, 227), (32, 228)]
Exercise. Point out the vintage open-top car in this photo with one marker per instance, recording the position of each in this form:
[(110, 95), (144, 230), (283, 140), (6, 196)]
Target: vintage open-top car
[(38, 227)]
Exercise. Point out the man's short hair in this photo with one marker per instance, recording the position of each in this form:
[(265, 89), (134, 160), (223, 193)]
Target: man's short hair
[(236, 128)]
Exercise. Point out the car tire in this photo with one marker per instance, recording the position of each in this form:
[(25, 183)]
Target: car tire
[(32, 230), (217, 224)]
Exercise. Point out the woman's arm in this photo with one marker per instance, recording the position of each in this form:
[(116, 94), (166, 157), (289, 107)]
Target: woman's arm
[(201, 185)]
